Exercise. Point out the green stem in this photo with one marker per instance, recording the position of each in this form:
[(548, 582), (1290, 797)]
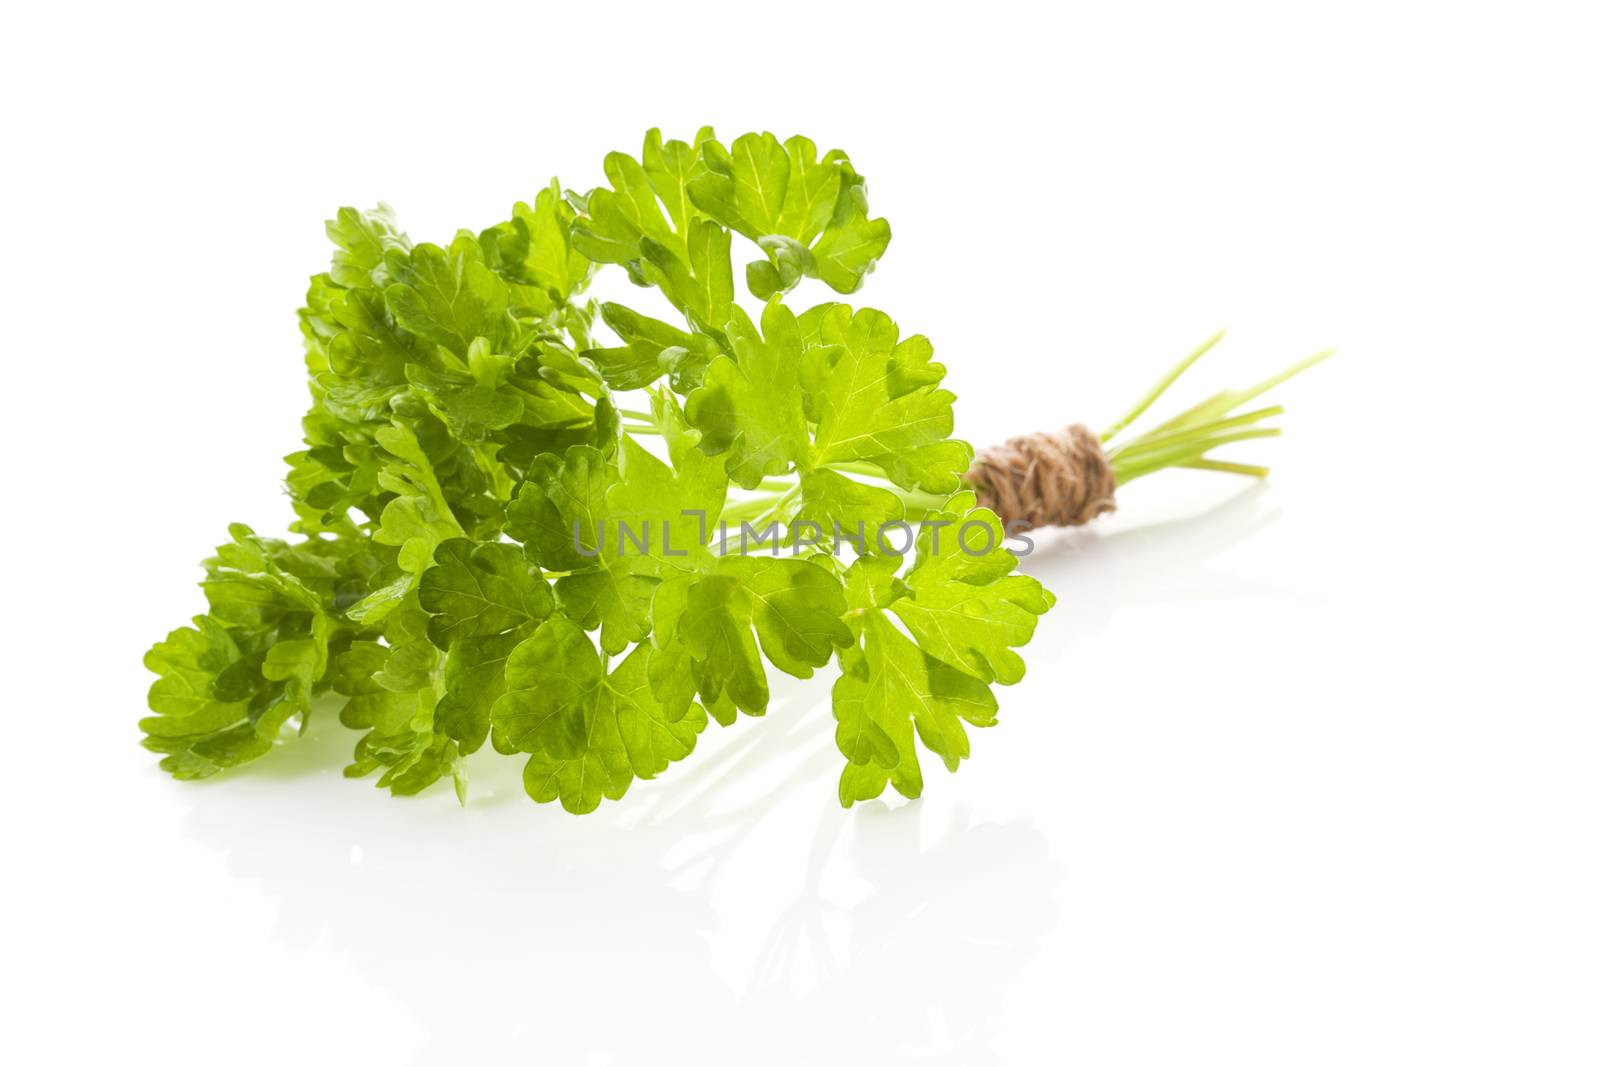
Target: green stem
[(1186, 439), (775, 494), (1179, 454), (752, 507), (1155, 438), (1161, 386), (870, 470), (922, 503), (1284, 375), (1247, 469)]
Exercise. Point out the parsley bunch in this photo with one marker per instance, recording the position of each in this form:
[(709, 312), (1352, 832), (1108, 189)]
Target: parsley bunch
[(464, 574)]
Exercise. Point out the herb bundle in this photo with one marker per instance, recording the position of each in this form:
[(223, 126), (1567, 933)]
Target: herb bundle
[(496, 547)]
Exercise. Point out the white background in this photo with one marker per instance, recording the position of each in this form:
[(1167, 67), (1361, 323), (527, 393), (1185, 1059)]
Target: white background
[(1300, 774)]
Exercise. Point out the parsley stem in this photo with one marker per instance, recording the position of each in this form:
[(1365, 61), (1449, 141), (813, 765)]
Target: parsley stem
[(1247, 469), (751, 507), (1156, 437), (1161, 386), (871, 470), (1179, 454), (1185, 439)]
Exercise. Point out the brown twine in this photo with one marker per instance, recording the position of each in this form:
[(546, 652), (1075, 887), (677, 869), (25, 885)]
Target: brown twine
[(1053, 478)]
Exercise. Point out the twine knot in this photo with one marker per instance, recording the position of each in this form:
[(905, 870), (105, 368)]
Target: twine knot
[(1053, 478)]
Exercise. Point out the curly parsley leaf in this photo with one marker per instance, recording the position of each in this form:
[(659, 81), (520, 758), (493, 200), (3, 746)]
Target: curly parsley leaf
[(874, 397), (478, 590), (589, 731), (228, 685), (964, 612), (448, 296), (964, 604), (650, 349), (751, 405), (393, 695), (809, 215), (895, 688), (534, 248)]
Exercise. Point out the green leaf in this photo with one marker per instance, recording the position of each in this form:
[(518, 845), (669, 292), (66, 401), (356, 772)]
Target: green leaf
[(210, 704), (808, 215), (703, 622), (651, 349), (633, 207), (846, 254), (895, 687), (874, 398), (548, 677), (589, 732), (795, 606), (370, 346), (835, 509), (418, 517), (394, 691), (965, 613), (448, 296), (646, 221), (760, 178), (535, 246), (751, 406), (559, 511), (707, 626), (668, 513), (700, 481), (671, 167), (965, 606), (478, 590), (563, 519), (618, 528), (230, 683), (700, 284), (364, 239), (787, 262), (850, 247), (471, 411), (474, 678)]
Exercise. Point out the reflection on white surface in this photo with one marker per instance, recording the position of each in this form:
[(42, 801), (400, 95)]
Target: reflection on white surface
[(730, 907), (1096, 574), (733, 907)]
